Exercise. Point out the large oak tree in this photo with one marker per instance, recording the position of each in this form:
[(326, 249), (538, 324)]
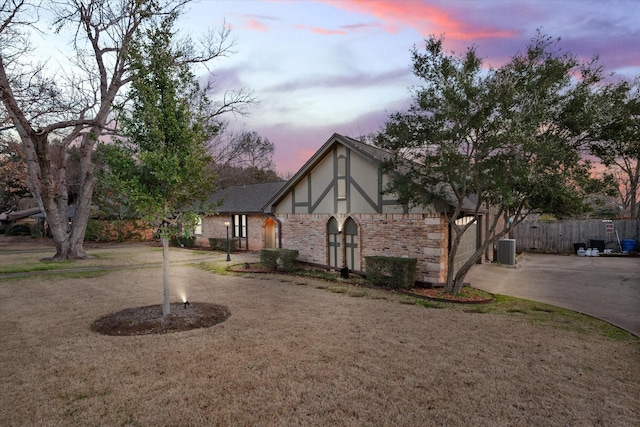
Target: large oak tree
[(500, 139), (41, 103)]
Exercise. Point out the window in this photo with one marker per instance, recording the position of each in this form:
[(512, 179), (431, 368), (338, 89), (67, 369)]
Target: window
[(342, 189), (333, 243), (351, 244), (239, 225), (342, 165), (198, 227), (342, 177)]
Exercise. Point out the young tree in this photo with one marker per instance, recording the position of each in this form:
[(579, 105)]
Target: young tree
[(475, 139), (616, 140), (162, 162), (45, 100)]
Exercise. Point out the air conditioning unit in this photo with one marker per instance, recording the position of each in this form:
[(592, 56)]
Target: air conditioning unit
[(507, 251)]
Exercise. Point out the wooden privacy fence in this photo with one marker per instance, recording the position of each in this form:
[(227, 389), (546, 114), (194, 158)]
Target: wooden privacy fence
[(560, 236)]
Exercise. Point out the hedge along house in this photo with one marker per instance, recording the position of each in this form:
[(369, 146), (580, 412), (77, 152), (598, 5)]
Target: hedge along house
[(335, 212), (242, 207)]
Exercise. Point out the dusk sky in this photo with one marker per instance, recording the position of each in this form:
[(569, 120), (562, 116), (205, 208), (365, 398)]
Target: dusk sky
[(319, 67)]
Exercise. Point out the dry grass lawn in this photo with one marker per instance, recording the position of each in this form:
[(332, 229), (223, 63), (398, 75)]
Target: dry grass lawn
[(295, 353)]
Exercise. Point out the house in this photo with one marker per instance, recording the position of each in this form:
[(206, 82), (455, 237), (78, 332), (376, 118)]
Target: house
[(241, 210), (335, 212), (22, 216)]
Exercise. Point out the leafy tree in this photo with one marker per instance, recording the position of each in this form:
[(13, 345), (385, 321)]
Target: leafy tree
[(162, 163), (499, 139), (73, 100), (229, 175), (253, 151), (245, 158), (616, 140), (13, 175)]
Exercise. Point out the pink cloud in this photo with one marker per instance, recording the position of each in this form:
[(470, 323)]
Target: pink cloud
[(253, 24), (319, 30), (424, 17), (368, 26)]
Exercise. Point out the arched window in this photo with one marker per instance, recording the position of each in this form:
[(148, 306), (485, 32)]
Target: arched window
[(333, 243), (352, 252)]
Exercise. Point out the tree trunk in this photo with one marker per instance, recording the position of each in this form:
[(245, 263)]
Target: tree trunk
[(634, 179), (451, 287), (456, 282), (85, 195), (166, 305), (53, 198)]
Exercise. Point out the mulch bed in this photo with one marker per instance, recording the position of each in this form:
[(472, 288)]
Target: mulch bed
[(466, 296), (249, 268), (149, 320)]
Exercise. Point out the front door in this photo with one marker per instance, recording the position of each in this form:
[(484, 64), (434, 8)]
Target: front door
[(270, 229)]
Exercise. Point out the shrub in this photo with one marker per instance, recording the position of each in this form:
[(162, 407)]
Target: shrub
[(95, 232), (182, 241), (125, 230), (220, 244), (18, 230), (391, 272), (279, 259), (38, 231)]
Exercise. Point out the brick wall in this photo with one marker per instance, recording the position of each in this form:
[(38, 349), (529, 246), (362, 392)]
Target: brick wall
[(421, 236), (213, 226), (255, 232)]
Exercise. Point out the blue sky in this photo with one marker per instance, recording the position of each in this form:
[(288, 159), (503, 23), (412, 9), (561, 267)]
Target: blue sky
[(319, 67)]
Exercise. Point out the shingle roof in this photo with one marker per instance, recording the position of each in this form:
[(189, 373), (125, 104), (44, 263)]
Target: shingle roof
[(16, 215), (374, 153), (250, 198)]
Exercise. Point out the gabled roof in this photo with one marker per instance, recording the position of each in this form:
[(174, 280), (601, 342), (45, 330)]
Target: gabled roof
[(368, 152), (250, 198), (16, 215), (34, 213)]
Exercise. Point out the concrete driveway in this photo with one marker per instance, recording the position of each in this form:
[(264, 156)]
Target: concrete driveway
[(607, 288)]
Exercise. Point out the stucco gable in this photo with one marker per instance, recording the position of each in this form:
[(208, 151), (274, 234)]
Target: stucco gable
[(366, 152)]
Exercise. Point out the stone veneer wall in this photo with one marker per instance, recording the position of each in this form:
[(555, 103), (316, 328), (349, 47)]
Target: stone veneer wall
[(421, 236)]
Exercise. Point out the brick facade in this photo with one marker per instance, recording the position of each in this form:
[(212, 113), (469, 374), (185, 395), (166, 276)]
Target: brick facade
[(420, 236), (213, 226)]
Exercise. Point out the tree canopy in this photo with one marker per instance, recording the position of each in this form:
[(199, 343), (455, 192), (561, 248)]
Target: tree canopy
[(499, 140), (244, 158), (616, 139), (162, 155), (13, 175)]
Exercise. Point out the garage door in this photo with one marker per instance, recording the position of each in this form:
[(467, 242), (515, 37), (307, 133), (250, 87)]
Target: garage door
[(468, 244)]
